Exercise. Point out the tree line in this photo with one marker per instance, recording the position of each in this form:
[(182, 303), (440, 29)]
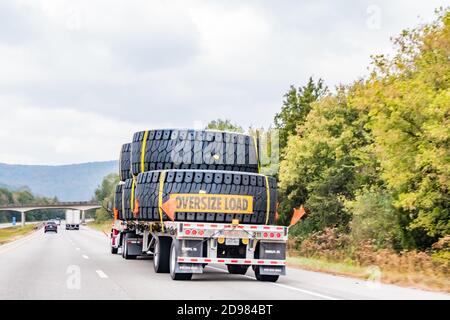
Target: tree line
[(23, 197), (371, 159)]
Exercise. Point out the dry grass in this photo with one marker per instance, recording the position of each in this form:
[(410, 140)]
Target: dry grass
[(334, 253), (14, 233), (104, 226)]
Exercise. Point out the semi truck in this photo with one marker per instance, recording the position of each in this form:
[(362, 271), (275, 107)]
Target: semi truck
[(189, 198), (185, 248), (73, 219)]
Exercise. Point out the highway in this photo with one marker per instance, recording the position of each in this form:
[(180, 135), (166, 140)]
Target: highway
[(78, 265)]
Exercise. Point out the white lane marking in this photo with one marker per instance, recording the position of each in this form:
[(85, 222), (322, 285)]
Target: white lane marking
[(305, 291), (101, 274), (85, 256), (312, 293)]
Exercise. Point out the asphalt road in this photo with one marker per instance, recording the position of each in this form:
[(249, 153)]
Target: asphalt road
[(78, 265)]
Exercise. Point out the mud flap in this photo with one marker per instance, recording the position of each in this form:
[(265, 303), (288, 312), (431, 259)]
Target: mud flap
[(272, 270), (189, 249), (189, 268), (134, 246), (272, 251)]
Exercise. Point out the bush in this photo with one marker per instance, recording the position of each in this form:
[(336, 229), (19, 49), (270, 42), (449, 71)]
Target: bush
[(374, 218)]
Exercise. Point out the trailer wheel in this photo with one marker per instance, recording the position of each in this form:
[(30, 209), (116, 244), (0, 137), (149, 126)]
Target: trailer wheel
[(173, 263), (237, 269), (265, 277), (161, 254)]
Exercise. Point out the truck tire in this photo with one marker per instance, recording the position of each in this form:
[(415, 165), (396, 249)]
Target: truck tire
[(114, 250), (256, 269), (125, 254), (237, 269), (161, 254), (193, 149), (127, 200), (211, 182), (173, 262), (265, 277), (118, 200), (124, 162)]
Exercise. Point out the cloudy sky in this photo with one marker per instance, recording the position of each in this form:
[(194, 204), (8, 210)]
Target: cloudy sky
[(78, 78)]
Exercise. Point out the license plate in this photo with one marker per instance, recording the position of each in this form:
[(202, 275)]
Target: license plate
[(232, 241)]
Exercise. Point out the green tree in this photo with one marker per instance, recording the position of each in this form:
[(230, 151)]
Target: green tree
[(410, 99), (105, 194), (224, 125), (296, 107), (377, 151), (324, 164)]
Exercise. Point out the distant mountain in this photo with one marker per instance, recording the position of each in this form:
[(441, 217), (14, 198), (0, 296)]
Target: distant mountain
[(74, 182)]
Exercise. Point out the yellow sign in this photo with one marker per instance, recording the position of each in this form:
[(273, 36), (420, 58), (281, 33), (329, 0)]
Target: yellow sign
[(214, 203)]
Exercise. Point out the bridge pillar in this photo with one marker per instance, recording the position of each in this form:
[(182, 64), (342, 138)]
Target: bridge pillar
[(22, 218), (83, 217)]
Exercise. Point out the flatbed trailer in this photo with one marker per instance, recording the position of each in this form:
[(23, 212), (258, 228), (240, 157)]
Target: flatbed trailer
[(185, 248)]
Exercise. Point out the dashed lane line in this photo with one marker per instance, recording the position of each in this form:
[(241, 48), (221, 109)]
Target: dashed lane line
[(101, 274)]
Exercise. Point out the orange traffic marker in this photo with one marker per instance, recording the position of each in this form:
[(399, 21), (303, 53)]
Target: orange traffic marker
[(169, 208), (298, 214)]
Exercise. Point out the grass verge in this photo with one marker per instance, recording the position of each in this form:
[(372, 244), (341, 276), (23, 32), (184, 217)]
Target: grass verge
[(347, 268), (13, 233), (104, 226)]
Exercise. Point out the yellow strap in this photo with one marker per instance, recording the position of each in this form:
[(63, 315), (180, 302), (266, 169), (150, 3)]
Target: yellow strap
[(162, 177), (144, 147), (256, 150), (268, 200), (132, 195)]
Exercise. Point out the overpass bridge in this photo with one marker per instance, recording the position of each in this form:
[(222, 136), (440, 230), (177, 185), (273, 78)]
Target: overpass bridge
[(83, 206)]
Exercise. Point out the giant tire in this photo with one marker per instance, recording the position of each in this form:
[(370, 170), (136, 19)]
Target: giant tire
[(118, 200), (124, 162), (127, 204), (193, 149), (211, 182)]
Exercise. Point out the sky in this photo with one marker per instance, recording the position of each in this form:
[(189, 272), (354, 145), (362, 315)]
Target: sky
[(77, 79)]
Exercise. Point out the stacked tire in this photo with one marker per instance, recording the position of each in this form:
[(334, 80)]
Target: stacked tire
[(159, 163)]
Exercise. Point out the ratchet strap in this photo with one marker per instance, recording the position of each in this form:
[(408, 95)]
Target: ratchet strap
[(162, 178), (268, 200), (144, 147)]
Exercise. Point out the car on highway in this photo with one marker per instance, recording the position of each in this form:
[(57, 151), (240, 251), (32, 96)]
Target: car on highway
[(50, 226)]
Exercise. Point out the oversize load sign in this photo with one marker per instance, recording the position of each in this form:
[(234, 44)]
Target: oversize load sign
[(215, 203)]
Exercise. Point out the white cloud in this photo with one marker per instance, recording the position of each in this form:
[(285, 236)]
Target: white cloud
[(33, 135), (69, 72)]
